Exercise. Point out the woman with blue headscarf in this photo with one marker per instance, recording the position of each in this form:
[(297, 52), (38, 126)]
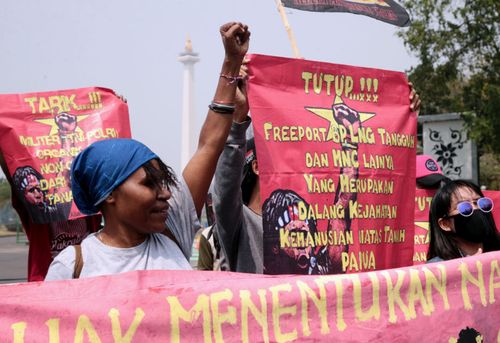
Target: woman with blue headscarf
[(150, 218)]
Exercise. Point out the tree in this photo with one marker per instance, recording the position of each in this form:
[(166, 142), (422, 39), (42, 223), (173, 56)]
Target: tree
[(458, 46), (4, 191)]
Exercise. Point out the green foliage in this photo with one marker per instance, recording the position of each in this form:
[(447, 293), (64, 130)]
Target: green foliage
[(4, 191), (481, 95), (490, 171), (464, 33), (458, 46)]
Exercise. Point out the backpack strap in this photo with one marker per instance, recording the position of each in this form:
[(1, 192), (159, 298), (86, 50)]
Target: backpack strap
[(78, 261)]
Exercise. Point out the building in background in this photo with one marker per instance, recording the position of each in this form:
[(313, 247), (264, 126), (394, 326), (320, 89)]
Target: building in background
[(445, 139)]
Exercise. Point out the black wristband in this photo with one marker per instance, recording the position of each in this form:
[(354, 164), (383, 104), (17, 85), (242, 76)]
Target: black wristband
[(221, 108)]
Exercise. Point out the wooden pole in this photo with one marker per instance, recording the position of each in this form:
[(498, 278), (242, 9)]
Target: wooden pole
[(288, 29)]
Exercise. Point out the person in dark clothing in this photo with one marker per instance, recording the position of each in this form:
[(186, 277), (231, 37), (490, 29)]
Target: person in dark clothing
[(461, 223)]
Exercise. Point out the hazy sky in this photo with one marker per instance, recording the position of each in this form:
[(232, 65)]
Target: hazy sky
[(132, 47)]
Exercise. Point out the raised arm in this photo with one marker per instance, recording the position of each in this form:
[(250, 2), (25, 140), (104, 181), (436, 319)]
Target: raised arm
[(228, 202), (200, 169)]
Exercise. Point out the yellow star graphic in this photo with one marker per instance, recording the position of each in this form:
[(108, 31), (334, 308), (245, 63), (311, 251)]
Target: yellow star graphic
[(327, 113), (423, 225), (54, 128)]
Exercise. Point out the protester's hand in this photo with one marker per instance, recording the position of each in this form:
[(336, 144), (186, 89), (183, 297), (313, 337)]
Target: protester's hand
[(241, 97), (414, 99), (235, 37), (479, 251), (244, 68), (348, 118), (66, 122)]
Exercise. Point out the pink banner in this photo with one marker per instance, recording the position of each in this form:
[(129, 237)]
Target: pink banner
[(437, 302)]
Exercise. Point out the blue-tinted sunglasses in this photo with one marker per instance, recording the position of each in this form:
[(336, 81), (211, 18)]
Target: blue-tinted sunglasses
[(466, 208)]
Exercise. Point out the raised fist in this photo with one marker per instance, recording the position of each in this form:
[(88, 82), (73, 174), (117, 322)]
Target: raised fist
[(66, 122), (235, 37), (348, 118)]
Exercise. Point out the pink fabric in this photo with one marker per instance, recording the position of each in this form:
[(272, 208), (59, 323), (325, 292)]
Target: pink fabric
[(437, 302), (426, 165)]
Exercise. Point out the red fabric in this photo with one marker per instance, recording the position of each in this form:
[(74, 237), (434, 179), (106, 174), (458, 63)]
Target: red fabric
[(495, 196), (423, 198), (341, 138), (40, 133)]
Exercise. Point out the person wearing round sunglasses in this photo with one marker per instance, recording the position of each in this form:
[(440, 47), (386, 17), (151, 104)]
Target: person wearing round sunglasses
[(461, 223)]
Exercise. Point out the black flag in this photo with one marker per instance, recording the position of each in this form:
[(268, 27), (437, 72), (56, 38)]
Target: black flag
[(384, 10)]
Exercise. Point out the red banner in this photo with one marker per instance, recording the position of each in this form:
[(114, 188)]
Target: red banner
[(385, 10), (41, 133), (439, 302), (495, 196), (423, 198), (336, 151)]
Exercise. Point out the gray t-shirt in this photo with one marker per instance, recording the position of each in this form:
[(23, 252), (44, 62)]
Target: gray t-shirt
[(156, 252)]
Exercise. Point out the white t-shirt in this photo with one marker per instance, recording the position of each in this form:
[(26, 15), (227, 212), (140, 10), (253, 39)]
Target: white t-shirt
[(156, 252)]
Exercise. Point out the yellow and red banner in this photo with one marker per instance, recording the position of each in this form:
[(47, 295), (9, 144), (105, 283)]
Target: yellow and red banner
[(423, 199), (336, 151), (41, 133), (439, 302)]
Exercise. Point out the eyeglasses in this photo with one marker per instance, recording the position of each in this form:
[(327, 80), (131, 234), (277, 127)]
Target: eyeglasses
[(466, 208)]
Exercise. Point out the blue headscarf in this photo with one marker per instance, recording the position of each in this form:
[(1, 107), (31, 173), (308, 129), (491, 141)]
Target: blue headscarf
[(102, 167)]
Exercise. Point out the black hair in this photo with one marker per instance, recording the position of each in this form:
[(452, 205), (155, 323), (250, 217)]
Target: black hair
[(158, 177), (20, 175), (155, 177), (434, 182), (272, 210), (468, 335), (249, 177), (441, 242)]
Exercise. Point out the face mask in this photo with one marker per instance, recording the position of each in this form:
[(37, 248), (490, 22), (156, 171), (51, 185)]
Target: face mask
[(475, 228)]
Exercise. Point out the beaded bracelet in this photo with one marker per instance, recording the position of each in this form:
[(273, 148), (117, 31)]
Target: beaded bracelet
[(223, 102), (221, 108), (232, 79)]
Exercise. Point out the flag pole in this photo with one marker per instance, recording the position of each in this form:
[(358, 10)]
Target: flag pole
[(288, 29)]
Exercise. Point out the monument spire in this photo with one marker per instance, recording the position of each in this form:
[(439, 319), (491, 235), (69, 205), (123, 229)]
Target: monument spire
[(188, 140)]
